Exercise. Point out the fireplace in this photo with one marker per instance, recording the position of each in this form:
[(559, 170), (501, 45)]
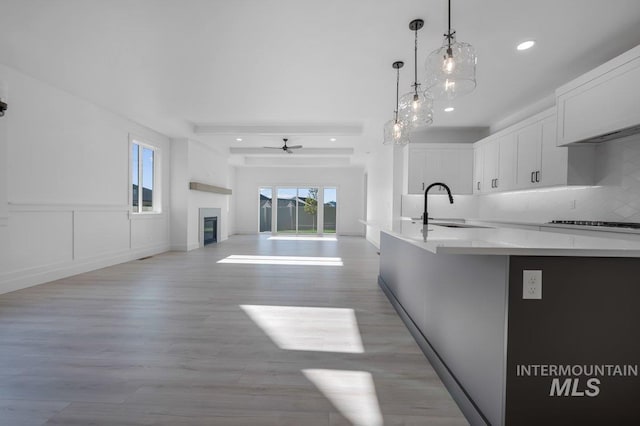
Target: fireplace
[(210, 230), (210, 225)]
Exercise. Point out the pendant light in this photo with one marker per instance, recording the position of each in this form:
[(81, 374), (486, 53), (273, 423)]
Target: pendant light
[(416, 108), (451, 70), (395, 130)]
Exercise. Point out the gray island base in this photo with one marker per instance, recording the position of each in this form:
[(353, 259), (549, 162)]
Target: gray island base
[(568, 358)]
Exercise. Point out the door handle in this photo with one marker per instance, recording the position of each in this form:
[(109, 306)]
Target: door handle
[(533, 177), (538, 176)]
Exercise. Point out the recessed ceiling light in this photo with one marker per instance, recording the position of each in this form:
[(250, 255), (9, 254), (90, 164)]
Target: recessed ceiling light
[(333, 139), (449, 109), (526, 45), (238, 139)]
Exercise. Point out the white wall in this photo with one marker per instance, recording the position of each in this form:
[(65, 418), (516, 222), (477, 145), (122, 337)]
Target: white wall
[(348, 180), (379, 192), (616, 197), (67, 165), (195, 161)]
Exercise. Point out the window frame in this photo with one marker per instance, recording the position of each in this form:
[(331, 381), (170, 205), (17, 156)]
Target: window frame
[(156, 200)]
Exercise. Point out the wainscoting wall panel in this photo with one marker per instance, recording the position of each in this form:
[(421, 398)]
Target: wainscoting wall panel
[(40, 238), (100, 232), (149, 231), (43, 243)]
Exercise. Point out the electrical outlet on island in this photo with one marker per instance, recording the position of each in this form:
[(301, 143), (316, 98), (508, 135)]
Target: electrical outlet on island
[(532, 284)]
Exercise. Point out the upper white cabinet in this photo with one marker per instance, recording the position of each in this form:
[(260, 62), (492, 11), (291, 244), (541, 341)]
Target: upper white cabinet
[(600, 103), (451, 164), (478, 169), (526, 156), (495, 164)]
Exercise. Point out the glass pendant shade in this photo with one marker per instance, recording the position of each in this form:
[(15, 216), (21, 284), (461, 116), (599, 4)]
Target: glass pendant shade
[(395, 130), (395, 133), (451, 69), (416, 109)]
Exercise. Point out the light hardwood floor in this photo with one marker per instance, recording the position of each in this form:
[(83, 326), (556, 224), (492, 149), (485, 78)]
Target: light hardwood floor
[(179, 339)]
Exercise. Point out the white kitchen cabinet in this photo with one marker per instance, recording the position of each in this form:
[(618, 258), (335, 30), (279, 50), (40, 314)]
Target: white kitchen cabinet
[(507, 161), (602, 102), (490, 165), (478, 169), (554, 160), (526, 155), (451, 164), (541, 163), (494, 161), (416, 167), (529, 141)]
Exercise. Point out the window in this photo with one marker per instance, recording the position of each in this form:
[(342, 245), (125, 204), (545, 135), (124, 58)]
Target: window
[(143, 178)]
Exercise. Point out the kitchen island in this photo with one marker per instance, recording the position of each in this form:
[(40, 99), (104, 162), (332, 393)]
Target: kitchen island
[(561, 349)]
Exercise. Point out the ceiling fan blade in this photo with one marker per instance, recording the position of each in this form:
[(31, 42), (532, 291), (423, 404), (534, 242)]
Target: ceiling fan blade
[(272, 147), (295, 147), (289, 151)]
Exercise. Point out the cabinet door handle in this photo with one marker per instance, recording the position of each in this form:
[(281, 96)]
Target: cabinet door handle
[(538, 176), (533, 177), (478, 185), (496, 182), (423, 186), (492, 183)]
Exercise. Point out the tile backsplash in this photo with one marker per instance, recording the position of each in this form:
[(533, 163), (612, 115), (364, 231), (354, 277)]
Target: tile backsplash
[(616, 196)]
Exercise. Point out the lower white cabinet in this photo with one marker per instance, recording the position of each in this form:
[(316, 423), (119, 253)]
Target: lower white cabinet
[(450, 163)]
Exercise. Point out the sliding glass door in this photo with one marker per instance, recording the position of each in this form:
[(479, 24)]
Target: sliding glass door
[(307, 210), (330, 207), (296, 210), (287, 212), (266, 208)]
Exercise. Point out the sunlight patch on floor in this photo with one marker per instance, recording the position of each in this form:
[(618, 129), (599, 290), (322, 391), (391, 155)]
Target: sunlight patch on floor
[(304, 328), (353, 393), (302, 238), (283, 260)]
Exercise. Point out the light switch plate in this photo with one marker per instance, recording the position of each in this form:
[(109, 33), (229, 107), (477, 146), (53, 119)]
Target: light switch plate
[(532, 284)]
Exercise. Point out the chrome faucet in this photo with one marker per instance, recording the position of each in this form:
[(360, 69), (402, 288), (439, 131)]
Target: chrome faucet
[(425, 215)]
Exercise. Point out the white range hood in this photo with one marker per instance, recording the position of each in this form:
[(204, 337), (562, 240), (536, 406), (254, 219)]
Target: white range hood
[(602, 104)]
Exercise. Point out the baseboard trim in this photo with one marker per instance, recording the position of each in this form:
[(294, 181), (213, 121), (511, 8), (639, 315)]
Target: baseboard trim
[(14, 281), (460, 396)]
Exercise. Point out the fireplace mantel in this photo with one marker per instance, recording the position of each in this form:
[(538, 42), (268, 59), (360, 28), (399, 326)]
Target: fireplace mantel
[(198, 186)]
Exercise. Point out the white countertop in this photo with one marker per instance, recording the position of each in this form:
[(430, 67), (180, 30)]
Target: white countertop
[(516, 242)]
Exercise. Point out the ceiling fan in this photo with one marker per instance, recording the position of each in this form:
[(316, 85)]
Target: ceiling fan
[(284, 147)]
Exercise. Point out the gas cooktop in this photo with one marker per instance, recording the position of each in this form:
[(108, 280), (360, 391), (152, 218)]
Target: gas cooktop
[(598, 223)]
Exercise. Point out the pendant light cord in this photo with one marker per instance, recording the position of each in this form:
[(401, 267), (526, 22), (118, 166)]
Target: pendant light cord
[(449, 35), (449, 18), (397, 91), (415, 65)]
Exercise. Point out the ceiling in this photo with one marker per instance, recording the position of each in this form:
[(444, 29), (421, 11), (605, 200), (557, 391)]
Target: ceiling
[(309, 68)]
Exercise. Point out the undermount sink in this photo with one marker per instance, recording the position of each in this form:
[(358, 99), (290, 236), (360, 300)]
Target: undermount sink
[(458, 225)]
